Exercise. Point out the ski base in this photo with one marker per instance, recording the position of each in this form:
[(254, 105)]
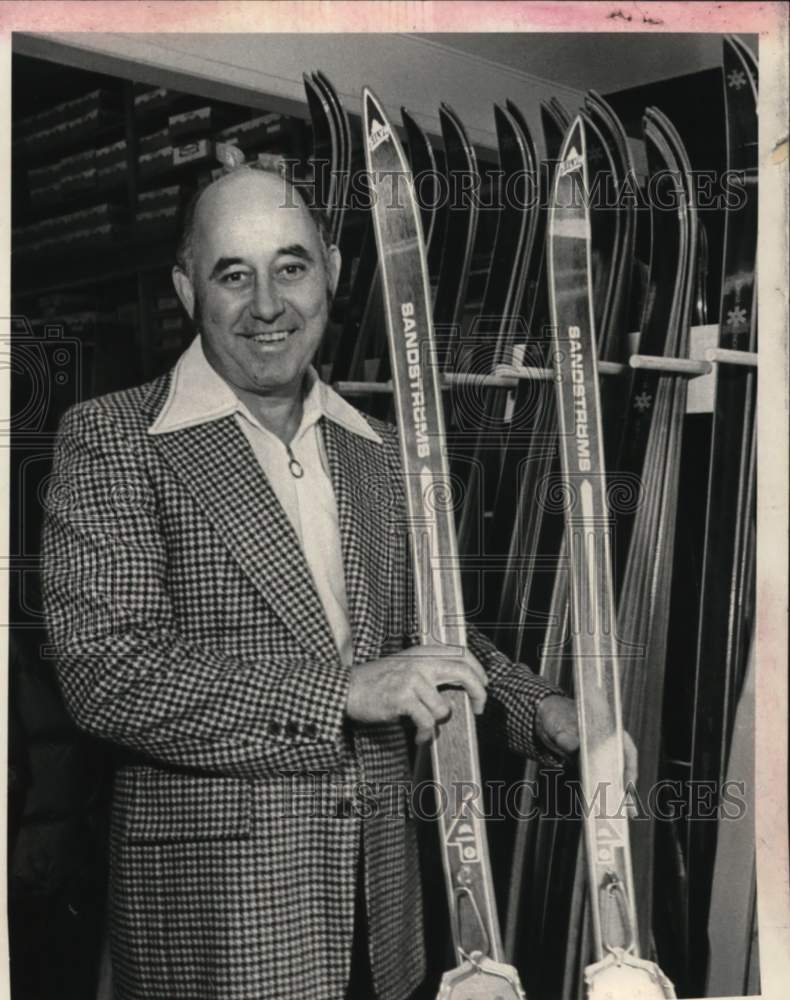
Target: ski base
[(623, 976), (480, 978)]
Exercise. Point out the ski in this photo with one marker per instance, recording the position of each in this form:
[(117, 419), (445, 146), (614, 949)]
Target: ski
[(555, 121), (341, 180), (352, 343), (531, 443), (493, 332), (611, 128), (559, 860), (661, 322), (479, 970), (460, 230), (617, 968), (722, 640), (537, 231), (422, 164), (732, 910), (344, 221), (648, 471), (323, 158), (549, 851), (531, 439)]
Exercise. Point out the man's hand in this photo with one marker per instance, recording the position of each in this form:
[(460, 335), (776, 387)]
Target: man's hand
[(407, 684), (557, 727)]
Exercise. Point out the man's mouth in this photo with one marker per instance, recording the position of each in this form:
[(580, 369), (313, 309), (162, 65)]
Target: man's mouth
[(269, 336)]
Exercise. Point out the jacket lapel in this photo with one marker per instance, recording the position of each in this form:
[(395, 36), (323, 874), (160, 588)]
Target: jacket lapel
[(362, 480), (218, 467)]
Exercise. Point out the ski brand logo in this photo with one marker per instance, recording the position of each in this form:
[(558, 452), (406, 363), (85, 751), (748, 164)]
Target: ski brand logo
[(579, 389), (416, 391), (573, 161), (378, 133), (462, 834), (607, 842)]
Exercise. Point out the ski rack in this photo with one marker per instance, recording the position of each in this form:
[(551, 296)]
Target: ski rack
[(509, 376)]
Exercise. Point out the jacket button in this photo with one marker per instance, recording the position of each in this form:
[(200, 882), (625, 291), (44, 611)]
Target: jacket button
[(291, 729), (310, 730), (275, 729), (344, 808)]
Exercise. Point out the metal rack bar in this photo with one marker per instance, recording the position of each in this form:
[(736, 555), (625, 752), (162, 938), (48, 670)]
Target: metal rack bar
[(723, 356), (508, 376)]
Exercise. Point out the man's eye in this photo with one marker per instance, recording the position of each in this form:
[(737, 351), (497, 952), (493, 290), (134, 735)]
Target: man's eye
[(294, 270), (234, 278)]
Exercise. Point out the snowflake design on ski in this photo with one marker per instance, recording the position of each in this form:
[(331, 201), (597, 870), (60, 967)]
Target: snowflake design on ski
[(736, 79), (643, 401), (736, 318)]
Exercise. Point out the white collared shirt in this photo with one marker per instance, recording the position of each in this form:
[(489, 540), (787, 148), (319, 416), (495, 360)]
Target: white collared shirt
[(199, 394)]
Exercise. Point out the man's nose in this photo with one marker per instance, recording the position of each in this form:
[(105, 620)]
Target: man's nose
[(267, 304)]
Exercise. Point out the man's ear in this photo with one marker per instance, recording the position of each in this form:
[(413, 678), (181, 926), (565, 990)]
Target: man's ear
[(333, 262), (184, 290)]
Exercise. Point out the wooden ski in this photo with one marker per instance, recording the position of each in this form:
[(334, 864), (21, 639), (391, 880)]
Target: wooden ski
[(323, 159), (341, 160), (479, 971), (617, 969), (722, 638), (551, 905), (649, 472), (422, 164), (494, 330), (460, 229)]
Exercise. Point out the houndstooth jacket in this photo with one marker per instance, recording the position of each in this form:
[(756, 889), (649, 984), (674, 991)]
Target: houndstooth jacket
[(189, 633)]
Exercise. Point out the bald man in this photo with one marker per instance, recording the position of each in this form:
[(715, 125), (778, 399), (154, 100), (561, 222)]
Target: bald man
[(227, 592)]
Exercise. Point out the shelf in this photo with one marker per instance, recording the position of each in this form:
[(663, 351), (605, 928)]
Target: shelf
[(111, 263)]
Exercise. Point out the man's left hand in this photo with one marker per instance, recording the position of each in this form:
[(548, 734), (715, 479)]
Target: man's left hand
[(557, 727)]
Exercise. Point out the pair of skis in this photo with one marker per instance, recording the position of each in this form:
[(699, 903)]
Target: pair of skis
[(480, 971)]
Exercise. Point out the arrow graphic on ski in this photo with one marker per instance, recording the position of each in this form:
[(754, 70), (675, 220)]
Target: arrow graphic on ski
[(406, 293)]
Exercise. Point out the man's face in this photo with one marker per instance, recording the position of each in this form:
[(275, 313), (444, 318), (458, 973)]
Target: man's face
[(259, 285)]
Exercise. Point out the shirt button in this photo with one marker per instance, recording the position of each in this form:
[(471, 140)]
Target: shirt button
[(275, 729)]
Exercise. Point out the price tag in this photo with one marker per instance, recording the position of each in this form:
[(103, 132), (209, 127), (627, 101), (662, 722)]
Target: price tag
[(191, 151)]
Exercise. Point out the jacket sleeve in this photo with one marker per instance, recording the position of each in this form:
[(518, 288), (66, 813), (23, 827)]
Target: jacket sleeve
[(514, 693), (127, 674)]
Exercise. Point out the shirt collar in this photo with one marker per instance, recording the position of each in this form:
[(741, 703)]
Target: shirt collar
[(198, 394)]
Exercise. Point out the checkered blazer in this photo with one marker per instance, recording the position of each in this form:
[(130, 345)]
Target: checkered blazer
[(189, 633)]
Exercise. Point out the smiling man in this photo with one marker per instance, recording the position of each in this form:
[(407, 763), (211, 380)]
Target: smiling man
[(227, 593)]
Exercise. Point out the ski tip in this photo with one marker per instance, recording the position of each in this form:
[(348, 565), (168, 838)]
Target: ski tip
[(573, 150), (371, 106), (377, 125)]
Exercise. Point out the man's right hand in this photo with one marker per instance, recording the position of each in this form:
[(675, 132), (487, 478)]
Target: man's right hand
[(407, 684)]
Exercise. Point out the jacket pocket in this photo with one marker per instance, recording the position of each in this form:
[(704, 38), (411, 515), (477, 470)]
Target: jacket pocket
[(165, 807)]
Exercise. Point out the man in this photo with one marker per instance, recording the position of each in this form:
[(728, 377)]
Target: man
[(228, 605)]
